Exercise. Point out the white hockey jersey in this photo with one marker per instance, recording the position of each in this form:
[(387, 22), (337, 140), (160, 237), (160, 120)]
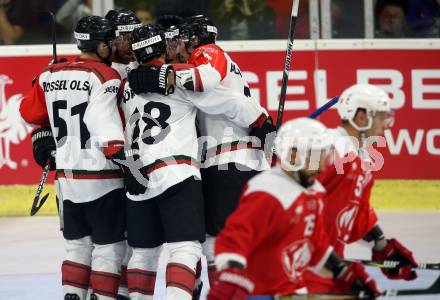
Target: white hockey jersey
[(227, 141), (163, 128), (124, 69), (78, 99)]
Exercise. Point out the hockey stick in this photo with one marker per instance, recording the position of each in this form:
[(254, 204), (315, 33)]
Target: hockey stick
[(37, 204), (323, 108), (390, 264), (48, 18), (433, 289), (287, 61)]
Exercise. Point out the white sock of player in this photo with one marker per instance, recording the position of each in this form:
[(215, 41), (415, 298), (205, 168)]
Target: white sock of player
[(181, 269), (141, 272), (123, 287), (106, 269), (76, 267), (208, 251)]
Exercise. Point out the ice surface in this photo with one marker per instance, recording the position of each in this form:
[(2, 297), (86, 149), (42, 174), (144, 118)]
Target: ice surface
[(31, 251)]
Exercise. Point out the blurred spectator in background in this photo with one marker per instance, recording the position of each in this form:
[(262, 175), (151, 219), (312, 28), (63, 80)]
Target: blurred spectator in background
[(182, 8), (347, 19), (424, 17), (144, 10), (9, 32), (282, 10), (390, 21), (69, 14), (19, 21), (169, 20), (244, 19)]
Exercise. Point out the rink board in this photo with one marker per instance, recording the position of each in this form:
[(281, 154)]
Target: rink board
[(387, 195)]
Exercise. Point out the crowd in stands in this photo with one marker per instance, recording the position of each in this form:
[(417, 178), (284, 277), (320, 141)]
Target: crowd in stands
[(236, 19)]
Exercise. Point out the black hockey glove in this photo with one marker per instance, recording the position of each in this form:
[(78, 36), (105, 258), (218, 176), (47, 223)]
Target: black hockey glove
[(152, 79), (135, 175), (43, 144), (262, 128)]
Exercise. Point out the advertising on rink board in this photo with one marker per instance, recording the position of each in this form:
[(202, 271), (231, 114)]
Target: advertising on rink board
[(410, 76)]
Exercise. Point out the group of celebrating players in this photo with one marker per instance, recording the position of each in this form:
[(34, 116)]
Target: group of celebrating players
[(155, 139)]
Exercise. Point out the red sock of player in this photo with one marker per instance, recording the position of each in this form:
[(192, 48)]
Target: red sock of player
[(105, 283), (75, 277), (181, 277), (141, 281)]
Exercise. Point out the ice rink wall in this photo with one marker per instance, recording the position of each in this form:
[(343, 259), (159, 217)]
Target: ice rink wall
[(409, 70)]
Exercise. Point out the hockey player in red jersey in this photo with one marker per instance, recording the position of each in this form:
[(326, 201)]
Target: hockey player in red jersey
[(348, 178), (75, 99), (276, 233)]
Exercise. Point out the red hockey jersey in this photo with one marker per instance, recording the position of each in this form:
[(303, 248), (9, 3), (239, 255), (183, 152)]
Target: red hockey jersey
[(348, 215), (276, 232)]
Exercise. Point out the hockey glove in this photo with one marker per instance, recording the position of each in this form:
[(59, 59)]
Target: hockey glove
[(397, 252), (355, 277), (135, 175), (152, 79), (43, 144), (231, 283), (262, 128)]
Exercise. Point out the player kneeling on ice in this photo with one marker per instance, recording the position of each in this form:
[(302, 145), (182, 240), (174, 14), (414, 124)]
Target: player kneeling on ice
[(78, 100), (365, 113), (276, 233)]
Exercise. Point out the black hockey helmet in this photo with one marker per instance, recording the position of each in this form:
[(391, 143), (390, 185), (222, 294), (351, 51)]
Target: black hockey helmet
[(198, 26), (148, 42), (91, 30), (124, 20)]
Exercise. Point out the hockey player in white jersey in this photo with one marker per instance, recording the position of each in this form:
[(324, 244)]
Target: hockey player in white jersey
[(170, 207), (230, 160), (123, 61), (76, 99), (124, 21)]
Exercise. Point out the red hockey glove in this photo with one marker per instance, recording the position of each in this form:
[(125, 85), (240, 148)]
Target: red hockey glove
[(230, 284), (397, 252), (355, 277)]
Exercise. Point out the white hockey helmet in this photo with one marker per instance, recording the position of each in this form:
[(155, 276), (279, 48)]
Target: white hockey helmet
[(304, 135), (364, 96)]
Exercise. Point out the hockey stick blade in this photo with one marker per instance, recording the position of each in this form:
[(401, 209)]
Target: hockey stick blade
[(390, 264), (36, 205), (433, 289)]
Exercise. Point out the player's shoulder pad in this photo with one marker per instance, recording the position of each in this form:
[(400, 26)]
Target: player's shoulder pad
[(55, 67), (206, 54), (103, 72), (280, 186)]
